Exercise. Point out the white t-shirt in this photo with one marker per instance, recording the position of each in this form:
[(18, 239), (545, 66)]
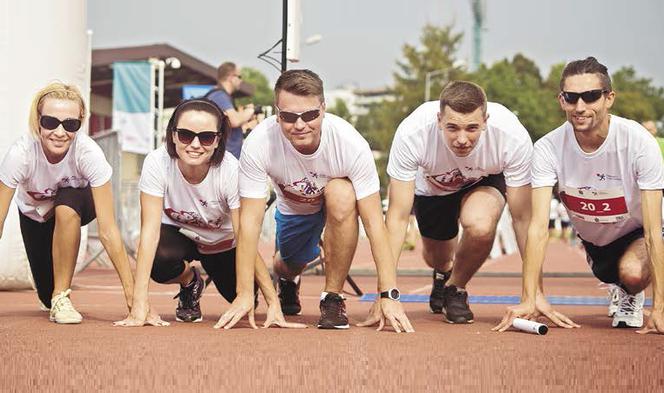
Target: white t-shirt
[(299, 180), (419, 152), (202, 211), (25, 167), (601, 190)]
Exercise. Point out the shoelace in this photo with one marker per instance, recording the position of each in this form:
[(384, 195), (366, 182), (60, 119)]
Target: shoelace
[(628, 303), (186, 297), (63, 303), (337, 307)]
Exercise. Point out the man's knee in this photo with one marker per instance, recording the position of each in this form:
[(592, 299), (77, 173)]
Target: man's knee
[(480, 230), (634, 275), (340, 202), (287, 270)]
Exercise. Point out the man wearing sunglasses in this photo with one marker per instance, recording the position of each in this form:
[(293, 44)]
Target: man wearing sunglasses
[(610, 176), (324, 175), (228, 82), (458, 160)]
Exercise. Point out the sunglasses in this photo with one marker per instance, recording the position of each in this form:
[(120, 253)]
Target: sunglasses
[(206, 138), (588, 97), (291, 117), (51, 123)]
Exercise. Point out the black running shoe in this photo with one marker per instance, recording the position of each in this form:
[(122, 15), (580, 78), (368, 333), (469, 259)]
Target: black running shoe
[(189, 308), (289, 297), (456, 309), (333, 312), (437, 297)]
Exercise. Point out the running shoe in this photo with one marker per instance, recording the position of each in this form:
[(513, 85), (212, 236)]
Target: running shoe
[(614, 299), (62, 311), (333, 312), (456, 308), (437, 297), (189, 307), (289, 296), (630, 310)]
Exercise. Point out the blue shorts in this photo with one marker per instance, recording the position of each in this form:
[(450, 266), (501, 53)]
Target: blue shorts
[(298, 236)]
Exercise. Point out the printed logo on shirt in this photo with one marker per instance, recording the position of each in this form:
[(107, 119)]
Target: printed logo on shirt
[(305, 190), (452, 181), (597, 206), (604, 177), (50, 193), (193, 219), (72, 181), (47, 194)]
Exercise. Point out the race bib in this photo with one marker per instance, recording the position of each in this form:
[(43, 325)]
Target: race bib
[(598, 206)]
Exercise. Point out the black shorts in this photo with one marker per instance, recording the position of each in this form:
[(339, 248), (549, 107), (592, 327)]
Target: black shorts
[(603, 260), (438, 216), (174, 248)]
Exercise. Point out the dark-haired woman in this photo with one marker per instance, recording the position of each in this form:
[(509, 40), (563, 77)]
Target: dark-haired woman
[(190, 211)]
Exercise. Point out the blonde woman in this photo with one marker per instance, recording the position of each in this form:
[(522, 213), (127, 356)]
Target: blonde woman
[(62, 182)]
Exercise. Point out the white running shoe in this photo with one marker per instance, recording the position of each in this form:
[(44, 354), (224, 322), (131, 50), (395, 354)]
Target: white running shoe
[(614, 299), (630, 310), (62, 311)]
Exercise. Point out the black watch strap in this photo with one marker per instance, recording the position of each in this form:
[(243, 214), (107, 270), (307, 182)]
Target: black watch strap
[(392, 293)]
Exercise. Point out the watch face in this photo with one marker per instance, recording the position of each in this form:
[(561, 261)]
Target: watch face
[(394, 294)]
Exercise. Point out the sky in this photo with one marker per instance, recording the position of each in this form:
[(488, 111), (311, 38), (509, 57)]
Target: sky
[(362, 39)]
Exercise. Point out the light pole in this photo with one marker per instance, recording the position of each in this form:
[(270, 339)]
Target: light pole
[(427, 81), (458, 64)]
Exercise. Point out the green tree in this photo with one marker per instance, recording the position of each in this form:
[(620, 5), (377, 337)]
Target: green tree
[(636, 98), (263, 95), (437, 51), (518, 85), (341, 109)]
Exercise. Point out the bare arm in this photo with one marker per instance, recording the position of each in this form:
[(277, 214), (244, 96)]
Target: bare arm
[(533, 301), (238, 118), (151, 208), (401, 195), (651, 206), (6, 195), (110, 237), (374, 225), (520, 205), (372, 218), (262, 275), (251, 218), (537, 239)]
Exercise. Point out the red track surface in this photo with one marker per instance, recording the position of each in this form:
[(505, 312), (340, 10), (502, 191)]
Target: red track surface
[(39, 355)]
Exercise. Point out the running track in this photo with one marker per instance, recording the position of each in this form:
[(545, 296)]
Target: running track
[(38, 355)]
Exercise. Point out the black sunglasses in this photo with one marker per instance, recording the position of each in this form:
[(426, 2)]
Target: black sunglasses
[(51, 123), (206, 138), (291, 117), (588, 97)]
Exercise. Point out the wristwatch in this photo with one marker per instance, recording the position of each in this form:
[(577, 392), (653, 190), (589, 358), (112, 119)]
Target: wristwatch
[(392, 293)]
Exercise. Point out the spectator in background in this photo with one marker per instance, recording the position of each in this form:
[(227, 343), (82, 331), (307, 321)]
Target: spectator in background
[(228, 82)]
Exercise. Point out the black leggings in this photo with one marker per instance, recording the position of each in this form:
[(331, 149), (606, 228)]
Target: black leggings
[(38, 237), (174, 248)]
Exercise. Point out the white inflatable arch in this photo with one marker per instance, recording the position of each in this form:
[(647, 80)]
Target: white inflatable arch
[(40, 41)]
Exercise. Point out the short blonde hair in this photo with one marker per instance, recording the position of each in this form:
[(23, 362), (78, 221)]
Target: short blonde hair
[(59, 91)]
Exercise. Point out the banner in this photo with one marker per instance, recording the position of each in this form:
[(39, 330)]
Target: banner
[(132, 116)]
